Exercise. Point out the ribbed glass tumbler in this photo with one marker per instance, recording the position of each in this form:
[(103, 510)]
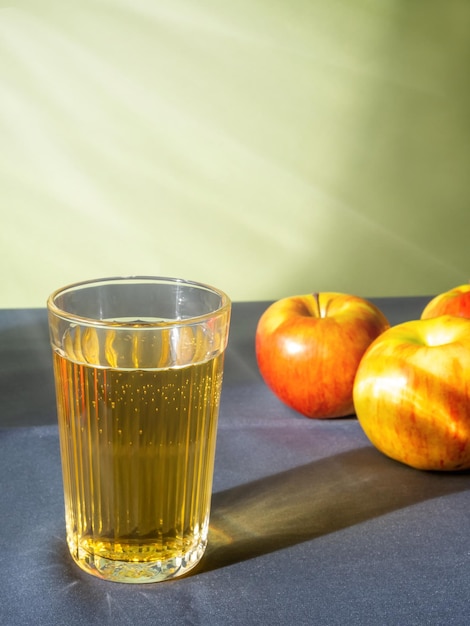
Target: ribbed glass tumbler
[(138, 366)]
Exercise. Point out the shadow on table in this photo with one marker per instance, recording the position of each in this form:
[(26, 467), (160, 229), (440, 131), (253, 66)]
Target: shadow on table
[(316, 499)]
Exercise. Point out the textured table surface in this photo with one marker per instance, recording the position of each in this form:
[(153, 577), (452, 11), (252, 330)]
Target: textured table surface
[(310, 524)]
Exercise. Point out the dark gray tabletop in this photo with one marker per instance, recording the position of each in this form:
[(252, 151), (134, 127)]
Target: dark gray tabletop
[(310, 524)]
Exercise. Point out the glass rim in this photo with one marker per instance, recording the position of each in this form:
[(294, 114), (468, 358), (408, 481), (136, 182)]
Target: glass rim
[(57, 311)]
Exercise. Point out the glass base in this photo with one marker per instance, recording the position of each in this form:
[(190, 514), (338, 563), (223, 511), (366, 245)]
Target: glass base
[(135, 571)]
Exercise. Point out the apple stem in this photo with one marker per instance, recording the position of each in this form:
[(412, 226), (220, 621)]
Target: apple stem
[(316, 297)]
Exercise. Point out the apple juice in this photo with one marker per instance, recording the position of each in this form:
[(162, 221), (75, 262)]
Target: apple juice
[(137, 450)]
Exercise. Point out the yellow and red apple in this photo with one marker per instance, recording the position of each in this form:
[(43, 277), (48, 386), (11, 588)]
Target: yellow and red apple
[(412, 393), (308, 349), (456, 301)]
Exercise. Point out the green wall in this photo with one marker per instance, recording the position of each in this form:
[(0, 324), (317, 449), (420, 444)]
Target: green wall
[(268, 147)]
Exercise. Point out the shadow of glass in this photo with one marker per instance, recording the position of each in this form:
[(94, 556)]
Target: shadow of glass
[(322, 497)]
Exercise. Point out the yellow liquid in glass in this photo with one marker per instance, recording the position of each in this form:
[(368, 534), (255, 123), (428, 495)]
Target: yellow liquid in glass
[(137, 450)]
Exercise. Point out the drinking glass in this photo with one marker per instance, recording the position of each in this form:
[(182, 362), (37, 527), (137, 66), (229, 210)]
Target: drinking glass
[(138, 365)]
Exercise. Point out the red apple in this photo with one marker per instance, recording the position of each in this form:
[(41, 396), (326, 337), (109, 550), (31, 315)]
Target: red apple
[(308, 349), (412, 393), (453, 302)]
